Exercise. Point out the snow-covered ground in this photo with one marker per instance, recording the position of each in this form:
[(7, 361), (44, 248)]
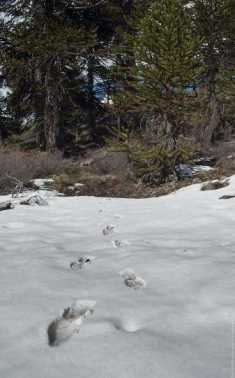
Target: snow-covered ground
[(178, 326)]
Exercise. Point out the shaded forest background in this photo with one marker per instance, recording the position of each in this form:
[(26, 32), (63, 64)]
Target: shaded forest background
[(153, 78)]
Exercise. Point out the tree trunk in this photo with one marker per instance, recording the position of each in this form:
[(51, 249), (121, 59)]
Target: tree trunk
[(91, 95), (86, 130), (1, 137), (51, 112), (213, 122), (213, 111), (227, 131), (161, 130)]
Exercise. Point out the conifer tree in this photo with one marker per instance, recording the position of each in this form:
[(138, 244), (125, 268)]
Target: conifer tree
[(41, 45), (65, 46), (167, 58), (214, 22)]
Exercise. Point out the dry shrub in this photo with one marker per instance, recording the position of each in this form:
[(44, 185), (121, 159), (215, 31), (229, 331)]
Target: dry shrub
[(107, 162), (25, 166)]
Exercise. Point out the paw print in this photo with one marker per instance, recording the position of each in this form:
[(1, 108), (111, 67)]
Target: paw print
[(108, 230), (132, 280)]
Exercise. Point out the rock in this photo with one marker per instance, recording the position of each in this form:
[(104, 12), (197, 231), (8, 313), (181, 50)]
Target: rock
[(209, 161), (6, 205), (184, 171), (228, 196), (215, 185), (35, 200)]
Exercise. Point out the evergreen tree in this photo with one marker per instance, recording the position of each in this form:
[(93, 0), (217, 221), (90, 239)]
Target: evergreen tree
[(166, 53), (73, 49), (214, 22), (41, 46), (109, 19)]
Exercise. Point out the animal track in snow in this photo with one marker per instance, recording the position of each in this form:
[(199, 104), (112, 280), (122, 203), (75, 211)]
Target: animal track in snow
[(117, 216), (125, 325), (62, 328), (120, 243), (116, 243), (81, 262), (108, 325), (108, 229), (132, 280)]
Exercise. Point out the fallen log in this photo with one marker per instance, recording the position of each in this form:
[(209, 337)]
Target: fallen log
[(6, 205)]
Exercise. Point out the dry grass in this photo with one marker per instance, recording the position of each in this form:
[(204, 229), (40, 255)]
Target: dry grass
[(25, 166), (19, 166)]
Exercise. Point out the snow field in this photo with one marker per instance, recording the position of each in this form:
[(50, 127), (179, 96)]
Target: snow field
[(178, 326)]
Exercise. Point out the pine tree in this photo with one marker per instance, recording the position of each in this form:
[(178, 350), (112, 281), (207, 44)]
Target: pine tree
[(214, 22), (74, 44), (109, 19), (42, 44), (166, 53)]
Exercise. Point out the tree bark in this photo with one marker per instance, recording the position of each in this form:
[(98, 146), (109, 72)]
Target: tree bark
[(213, 111), (91, 95), (51, 111), (1, 137), (214, 120)]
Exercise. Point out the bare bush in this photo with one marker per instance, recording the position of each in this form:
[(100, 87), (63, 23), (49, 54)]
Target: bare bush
[(20, 166), (107, 162)]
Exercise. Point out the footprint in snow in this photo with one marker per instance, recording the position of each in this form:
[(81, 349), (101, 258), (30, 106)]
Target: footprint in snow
[(81, 262), (116, 243), (65, 326), (119, 243), (125, 325), (117, 216), (132, 280), (108, 230)]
